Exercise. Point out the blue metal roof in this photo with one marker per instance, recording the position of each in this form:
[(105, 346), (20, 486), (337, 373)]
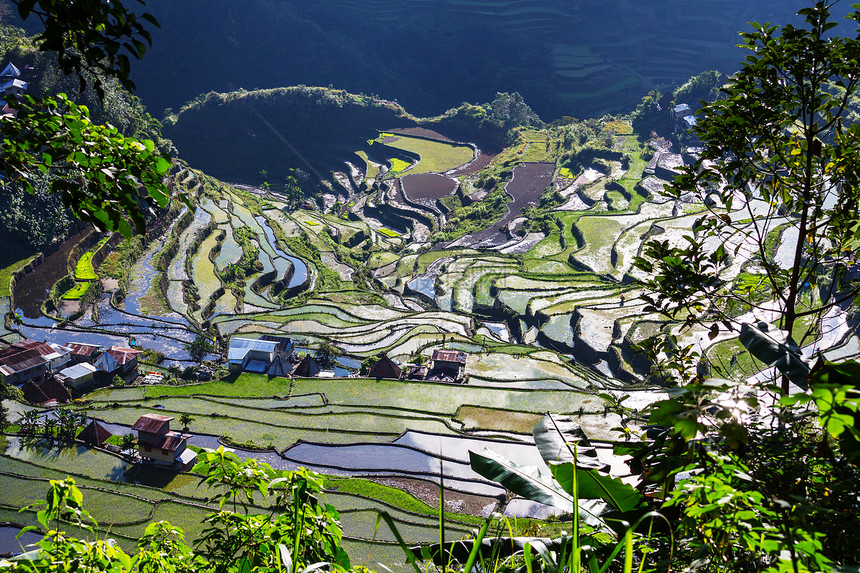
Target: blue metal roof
[(239, 347)]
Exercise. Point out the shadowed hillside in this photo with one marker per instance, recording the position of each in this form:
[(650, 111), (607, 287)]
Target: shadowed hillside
[(235, 136), (579, 58)]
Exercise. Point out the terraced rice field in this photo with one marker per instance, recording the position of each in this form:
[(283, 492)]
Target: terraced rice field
[(436, 156), (545, 329)]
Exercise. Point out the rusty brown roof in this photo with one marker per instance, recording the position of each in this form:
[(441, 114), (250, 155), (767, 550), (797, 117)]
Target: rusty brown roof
[(17, 359), (82, 349), (172, 441), (43, 348), (123, 355), (449, 356), (151, 423)]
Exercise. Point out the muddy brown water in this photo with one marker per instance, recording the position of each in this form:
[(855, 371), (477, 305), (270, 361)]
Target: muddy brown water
[(33, 289), (527, 184)]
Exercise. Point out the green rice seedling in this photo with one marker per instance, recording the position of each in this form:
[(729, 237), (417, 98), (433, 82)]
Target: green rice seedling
[(77, 292), (84, 270)]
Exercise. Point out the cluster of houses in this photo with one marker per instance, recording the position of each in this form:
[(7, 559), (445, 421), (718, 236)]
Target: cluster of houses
[(444, 366), (270, 355), (50, 373), (273, 355)]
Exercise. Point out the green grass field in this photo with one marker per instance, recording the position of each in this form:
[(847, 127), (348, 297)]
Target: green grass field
[(436, 156)]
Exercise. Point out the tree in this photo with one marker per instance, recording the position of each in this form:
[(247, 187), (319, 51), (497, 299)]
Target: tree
[(185, 419), (4, 417), (128, 441), (780, 179), (29, 421), (51, 144), (199, 347), (327, 354)]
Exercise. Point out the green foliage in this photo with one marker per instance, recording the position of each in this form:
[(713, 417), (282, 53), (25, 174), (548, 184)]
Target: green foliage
[(31, 219), (300, 530), (702, 87), (199, 347), (326, 354), (511, 110), (284, 525), (775, 148), (96, 171), (92, 36)]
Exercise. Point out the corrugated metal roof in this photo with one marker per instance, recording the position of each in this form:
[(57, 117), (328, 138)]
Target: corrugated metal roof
[(78, 370), (172, 441), (16, 359), (239, 347), (42, 348), (450, 356), (10, 71), (151, 423), (123, 355), (258, 366), (82, 349)]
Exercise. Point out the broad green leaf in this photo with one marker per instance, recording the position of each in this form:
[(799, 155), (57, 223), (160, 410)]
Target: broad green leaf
[(532, 483), (558, 437), (162, 165), (592, 484)]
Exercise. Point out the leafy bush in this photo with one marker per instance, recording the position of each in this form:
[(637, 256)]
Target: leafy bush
[(267, 521)]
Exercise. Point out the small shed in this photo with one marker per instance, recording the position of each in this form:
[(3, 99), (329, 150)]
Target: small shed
[(308, 367), (94, 434), (280, 366), (385, 367), (56, 390), (79, 378), (250, 354)]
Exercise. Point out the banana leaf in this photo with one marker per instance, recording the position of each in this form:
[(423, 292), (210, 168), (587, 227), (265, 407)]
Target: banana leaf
[(776, 348), (532, 483), (558, 437), (594, 485)]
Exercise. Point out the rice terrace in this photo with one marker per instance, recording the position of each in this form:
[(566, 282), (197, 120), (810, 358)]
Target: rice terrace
[(342, 286)]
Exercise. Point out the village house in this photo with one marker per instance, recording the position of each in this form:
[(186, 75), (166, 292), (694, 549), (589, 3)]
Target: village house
[(79, 378), (56, 355), (158, 444), (118, 361), (448, 365), (21, 362), (82, 352), (251, 354), (11, 82)]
